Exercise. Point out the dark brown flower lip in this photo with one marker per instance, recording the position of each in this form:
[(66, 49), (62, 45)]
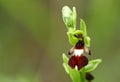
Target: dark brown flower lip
[(79, 61)]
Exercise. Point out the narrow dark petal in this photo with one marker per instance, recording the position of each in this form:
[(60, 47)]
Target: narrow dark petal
[(89, 52), (76, 36), (81, 62), (89, 77), (72, 62)]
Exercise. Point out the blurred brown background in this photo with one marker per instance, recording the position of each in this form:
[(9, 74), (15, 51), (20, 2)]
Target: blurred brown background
[(33, 38)]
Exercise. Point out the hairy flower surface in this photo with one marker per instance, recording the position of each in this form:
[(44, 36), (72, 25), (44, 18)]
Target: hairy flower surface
[(79, 61)]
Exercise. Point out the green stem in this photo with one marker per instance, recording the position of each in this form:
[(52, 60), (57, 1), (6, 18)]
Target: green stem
[(82, 74)]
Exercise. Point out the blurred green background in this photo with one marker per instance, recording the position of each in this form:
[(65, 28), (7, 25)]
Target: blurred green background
[(33, 38)]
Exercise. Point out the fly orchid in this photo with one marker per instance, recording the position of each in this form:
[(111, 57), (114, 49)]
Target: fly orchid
[(80, 42), (77, 38), (78, 59)]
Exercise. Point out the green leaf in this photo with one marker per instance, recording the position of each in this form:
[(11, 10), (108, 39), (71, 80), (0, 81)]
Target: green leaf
[(92, 65), (73, 73)]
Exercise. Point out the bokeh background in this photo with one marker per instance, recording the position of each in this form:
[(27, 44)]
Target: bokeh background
[(33, 38)]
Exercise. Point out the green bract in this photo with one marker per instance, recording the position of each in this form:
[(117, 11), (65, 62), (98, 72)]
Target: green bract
[(92, 65)]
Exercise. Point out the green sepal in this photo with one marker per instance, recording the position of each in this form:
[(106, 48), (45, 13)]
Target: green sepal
[(84, 30), (83, 27)]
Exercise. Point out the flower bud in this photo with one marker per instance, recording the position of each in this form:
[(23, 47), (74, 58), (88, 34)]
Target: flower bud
[(69, 17)]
